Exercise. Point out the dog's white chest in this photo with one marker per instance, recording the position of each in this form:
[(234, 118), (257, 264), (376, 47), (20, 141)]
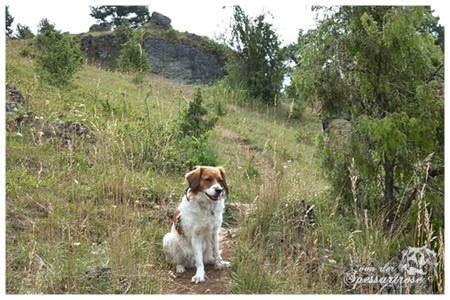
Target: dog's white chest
[(202, 216)]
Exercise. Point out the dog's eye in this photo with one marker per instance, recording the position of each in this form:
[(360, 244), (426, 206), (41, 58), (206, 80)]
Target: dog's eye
[(208, 179)]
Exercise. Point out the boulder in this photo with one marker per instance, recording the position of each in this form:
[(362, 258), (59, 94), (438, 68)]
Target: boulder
[(105, 26), (160, 20)]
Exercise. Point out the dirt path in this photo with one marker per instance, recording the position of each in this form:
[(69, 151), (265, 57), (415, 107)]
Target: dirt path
[(218, 281), (265, 168)]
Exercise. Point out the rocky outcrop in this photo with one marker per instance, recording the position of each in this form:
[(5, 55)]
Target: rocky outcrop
[(103, 49), (160, 20), (105, 26), (183, 62), (182, 57)]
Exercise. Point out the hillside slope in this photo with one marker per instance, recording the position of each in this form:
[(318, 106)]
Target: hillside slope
[(94, 173), (87, 204), (182, 57)]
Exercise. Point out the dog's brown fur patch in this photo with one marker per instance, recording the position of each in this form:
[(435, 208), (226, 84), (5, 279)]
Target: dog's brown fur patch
[(177, 222)]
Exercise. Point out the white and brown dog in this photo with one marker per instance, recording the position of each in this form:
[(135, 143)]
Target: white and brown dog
[(194, 236)]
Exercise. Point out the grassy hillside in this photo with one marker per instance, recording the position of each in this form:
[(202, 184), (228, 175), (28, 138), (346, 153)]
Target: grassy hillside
[(93, 175)]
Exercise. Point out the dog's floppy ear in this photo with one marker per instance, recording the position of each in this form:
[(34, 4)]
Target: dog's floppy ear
[(193, 178), (222, 173)]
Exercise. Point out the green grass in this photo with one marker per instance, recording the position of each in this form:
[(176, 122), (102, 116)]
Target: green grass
[(88, 215), (79, 217)]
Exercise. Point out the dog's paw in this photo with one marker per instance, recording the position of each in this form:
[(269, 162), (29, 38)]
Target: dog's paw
[(220, 264), (180, 268), (198, 278)]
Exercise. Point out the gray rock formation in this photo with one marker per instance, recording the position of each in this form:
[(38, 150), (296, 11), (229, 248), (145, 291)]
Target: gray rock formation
[(105, 26), (103, 49), (183, 62), (160, 20), (190, 59)]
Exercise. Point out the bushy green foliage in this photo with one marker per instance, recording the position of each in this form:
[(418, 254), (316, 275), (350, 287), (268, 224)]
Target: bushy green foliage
[(175, 145), (59, 56), (196, 151), (194, 120), (8, 21), (27, 51), (24, 32), (195, 126), (383, 64), (45, 25), (134, 15), (220, 107), (256, 66), (133, 58), (297, 109)]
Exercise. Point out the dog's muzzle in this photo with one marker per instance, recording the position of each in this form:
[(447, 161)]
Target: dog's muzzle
[(218, 191)]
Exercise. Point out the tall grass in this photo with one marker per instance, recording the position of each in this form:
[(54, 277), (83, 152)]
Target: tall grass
[(80, 222), (87, 215), (272, 256)]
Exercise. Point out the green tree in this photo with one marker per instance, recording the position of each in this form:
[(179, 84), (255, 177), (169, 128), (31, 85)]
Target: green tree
[(195, 121), (383, 64), (194, 128), (24, 32), (257, 64), (9, 20), (59, 56), (45, 26), (437, 30), (136, 15), (133, 58)]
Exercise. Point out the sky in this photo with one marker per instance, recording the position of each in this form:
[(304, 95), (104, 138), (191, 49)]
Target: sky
[(208, 18)]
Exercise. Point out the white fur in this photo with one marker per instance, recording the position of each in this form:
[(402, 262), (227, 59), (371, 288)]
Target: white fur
[(201, 219)]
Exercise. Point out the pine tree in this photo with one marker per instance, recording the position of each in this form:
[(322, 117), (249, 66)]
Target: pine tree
[(195, 121), (257, 64), (59, 56), (9, 20), (135, 15), (24, 32), (133, 58), (383, 64)]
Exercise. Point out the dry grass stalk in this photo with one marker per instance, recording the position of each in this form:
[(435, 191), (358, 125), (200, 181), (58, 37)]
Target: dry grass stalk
[(354, 179)]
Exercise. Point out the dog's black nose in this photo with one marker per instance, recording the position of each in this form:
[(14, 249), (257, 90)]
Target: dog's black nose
[(218, 190)]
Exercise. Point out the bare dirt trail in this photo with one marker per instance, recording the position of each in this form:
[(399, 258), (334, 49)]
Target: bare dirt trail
[(218, 281), (265, 168)]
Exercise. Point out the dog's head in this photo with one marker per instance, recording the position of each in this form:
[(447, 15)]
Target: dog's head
[(208, 180)]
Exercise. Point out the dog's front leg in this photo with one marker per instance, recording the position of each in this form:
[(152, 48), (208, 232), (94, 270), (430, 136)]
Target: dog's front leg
[(219, 263), (197, 245)]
